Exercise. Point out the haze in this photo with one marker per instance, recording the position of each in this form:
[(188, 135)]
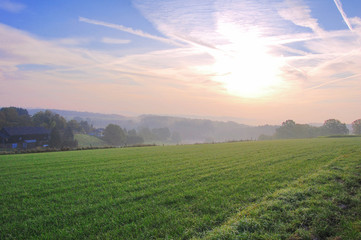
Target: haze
[(260, 61)]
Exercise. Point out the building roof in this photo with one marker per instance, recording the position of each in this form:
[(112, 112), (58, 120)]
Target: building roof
[(2, 135), (19, 131)]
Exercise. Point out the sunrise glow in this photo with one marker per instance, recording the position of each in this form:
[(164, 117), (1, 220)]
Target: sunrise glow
[(246, 68), (247, 60)]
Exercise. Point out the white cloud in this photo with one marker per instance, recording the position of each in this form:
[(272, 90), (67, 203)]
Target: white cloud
[(66, 66), (11, 6), (23, 48), (300, 14), (115, 40), (72, 41)]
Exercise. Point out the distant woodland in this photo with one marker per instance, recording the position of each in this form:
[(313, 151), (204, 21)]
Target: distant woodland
[(118, 130), (331, 127), (62, 131)]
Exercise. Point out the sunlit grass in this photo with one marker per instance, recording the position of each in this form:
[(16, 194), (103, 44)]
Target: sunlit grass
[(85, 140), (153, 192)]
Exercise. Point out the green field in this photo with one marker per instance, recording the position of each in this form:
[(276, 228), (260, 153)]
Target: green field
[(85, 140), (294, 189)]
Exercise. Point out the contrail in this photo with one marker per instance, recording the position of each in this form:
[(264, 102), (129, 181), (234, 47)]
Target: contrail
[(128, 30), (344, 16), (194, 41), (333, 81)]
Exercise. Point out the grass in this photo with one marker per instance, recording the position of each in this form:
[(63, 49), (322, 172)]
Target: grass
[(294, 189), (323, 205), (341, 136), (85, 140)]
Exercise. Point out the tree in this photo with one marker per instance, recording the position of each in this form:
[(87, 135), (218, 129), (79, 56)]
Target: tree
[(2, 119), (14, 117), (264, 137), (289, 124), (114, 135), (55, 138), (161, 134), (290, 129), (176, 137), (334, 127), (62, 134), (74, 125), (356, 126), (85, 127), (147, 135), (286, 130), (68, 138), (49, 120), (133, 138)]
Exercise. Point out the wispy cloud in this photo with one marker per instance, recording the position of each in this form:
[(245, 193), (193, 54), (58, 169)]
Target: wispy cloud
[(335, 81), (127, 29), (299, 14), (68, 72), (72, 41), (278, 47), (247, 40), (343, 14), (115, 40), (11, 6)]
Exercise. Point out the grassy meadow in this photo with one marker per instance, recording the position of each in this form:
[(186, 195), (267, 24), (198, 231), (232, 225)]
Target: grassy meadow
[(85, 140), (284, 189)]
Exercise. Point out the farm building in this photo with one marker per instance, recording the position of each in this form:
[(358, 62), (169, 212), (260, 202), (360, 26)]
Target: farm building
[(99, 132), (24, 137)]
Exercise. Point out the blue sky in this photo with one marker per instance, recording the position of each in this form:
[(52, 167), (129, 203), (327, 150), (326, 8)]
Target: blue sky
[(262, 61), (60, 20)]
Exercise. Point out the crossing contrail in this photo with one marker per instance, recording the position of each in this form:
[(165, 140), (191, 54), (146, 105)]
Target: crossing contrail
[(128, 30), (344, 16)]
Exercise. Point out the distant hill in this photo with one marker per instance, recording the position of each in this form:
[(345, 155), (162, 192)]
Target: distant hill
[(203, 130), (99, 120), (190, 130)]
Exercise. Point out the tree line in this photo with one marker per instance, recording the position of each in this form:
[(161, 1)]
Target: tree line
[(116, 136), (290, 129), (61, 130)]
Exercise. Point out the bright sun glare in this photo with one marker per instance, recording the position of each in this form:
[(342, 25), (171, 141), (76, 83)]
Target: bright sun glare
[(244, 66)]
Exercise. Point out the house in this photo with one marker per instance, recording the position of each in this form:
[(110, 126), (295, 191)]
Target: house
[(99, 132), (24, 137)]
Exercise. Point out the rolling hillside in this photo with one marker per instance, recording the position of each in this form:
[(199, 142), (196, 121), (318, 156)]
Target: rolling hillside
[(85, 140)]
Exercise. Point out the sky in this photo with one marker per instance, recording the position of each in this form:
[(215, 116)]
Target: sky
[(253, 61)]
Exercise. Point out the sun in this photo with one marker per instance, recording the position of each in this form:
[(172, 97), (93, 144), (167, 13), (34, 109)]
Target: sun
[(245, 66)]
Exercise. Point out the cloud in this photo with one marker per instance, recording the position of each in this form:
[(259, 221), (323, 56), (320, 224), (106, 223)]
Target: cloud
[(356, 21), (127, 29), (338, 79), (173, 19), (230, 31), (11, 6), (57, 67), (115, 41), (22, 49), (208, 41), (72, 41), (300, 14), (343, 14)]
